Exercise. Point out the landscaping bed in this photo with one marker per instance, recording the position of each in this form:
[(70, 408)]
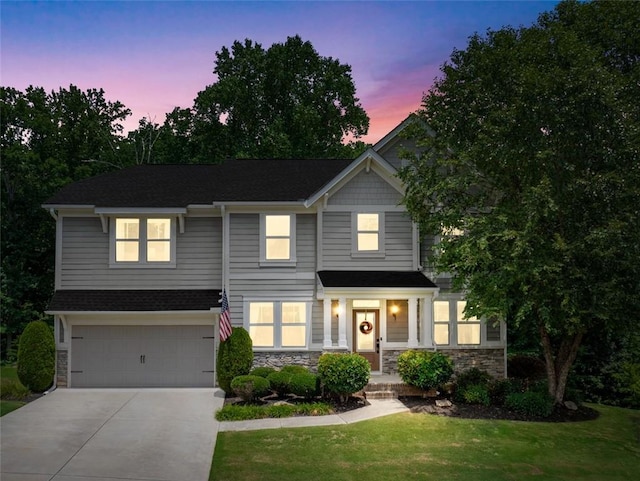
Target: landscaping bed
[(475, 411)]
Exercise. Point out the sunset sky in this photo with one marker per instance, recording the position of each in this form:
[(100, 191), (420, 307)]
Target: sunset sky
[(153, 56)]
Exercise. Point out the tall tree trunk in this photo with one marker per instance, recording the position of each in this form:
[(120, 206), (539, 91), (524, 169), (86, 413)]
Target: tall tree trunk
[(559, 365)]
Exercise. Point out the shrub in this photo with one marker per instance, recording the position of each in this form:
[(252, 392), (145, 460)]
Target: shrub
[(343, 374), (294, 369), (470, 377), (501, 388), (530, 403), (279, 381), (12, 389), (234, 412), (235, 357), (529, 367), (262, 371), (477, 394), (304, 384), (250, 387), (36, 356), (424, 369)]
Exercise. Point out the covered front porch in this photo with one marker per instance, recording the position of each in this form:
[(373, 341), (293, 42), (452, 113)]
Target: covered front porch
[(376, 314)]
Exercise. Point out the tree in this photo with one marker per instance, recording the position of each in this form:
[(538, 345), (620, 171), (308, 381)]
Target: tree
[(47, 141), (285, 102), (535, 159)]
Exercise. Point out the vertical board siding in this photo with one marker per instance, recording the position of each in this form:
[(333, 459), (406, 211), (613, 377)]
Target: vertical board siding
[(85, 258), (366, 188), (337, 238)]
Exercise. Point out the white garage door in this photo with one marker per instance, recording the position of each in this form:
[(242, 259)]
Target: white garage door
[(142, 356)]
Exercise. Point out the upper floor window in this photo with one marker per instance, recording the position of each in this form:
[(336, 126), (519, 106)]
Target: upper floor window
[(148, 242), (277, 238), (368, 233)]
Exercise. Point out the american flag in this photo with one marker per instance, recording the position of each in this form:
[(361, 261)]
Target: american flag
[(225, 318)]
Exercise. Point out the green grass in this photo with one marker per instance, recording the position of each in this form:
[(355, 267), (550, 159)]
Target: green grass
[(426, 447), (9, 372), (8, 406), (10, 382)]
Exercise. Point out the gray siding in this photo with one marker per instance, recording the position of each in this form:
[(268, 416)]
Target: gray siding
[(337, 238), (391, 151), (248, 279), (85, 258), (366, 189)]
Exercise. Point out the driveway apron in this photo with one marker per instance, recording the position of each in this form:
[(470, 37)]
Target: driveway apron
[(111, 434)]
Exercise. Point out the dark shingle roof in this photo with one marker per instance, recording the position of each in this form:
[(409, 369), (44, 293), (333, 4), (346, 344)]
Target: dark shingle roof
[(182, 185), (134, 300), (374, 279)]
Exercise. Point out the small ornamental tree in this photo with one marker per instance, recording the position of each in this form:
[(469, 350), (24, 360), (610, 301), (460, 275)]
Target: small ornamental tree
[(343, 374), (235, 357), (36, 356)]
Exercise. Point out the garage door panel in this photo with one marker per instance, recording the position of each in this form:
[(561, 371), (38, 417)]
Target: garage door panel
[(142, 356)]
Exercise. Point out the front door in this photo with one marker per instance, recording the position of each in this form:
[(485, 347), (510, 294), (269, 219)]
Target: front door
[(366, 336)]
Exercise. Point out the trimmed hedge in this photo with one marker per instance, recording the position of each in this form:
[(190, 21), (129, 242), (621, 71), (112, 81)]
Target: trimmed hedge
[(304, 384), (343, 374), (468, 379), (262, 371), (424, 369), (279, 381), (36, 356), (235, 357), (250, 388)]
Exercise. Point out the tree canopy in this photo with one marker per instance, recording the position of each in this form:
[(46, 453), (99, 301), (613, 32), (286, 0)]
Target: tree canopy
[(536, 160), (283, 102), (47, 141)]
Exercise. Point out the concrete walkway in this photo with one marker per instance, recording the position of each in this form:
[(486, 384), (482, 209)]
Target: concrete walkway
[(111, 434), (376, 409)]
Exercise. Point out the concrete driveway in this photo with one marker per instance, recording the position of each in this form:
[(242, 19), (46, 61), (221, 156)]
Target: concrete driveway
[(111, 434)]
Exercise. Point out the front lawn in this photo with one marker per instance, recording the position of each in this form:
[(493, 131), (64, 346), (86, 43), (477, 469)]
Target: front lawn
[(11, 390), (425, 447)]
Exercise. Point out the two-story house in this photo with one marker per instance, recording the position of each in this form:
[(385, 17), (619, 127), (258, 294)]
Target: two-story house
[(315, 256)]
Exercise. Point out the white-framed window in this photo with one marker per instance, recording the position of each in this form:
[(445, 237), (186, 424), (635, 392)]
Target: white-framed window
[(469, 328), (143, 242), (368, 233), (441, 323), (278, 324), (277, 239)]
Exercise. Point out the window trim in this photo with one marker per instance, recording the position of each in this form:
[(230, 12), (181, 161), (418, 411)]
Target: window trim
[(264, 262), (142, 262), (459, 318), (355, 252), (442, 323), (277, 322)]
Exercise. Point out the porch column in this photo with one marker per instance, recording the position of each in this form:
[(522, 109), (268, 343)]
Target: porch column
[(413, 322), (342, 322), (327, 343), (427, 330)]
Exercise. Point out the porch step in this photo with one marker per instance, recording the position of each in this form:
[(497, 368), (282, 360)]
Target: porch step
[(381, 394)]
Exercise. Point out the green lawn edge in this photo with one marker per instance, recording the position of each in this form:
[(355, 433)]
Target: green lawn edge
[(421, 446)]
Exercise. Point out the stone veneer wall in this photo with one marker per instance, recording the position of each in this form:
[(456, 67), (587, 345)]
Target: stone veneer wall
[(278, 359), (490, 360), (61, 368)]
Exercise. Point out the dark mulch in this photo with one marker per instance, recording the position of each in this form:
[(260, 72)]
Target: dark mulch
[(470, 411)]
